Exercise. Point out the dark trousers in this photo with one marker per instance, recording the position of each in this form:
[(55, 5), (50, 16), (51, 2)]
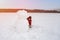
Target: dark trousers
[(30, 22)]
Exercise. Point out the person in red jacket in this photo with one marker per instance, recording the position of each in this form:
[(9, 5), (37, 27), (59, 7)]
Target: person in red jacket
[(29, 21)]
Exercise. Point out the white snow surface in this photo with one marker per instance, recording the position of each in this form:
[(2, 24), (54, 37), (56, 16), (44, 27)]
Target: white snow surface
[(45, 26)]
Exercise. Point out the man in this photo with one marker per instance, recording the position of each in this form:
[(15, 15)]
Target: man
[(29, 21)]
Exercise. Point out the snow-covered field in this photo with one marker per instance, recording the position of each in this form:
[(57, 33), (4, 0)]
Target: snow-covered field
[(45, 26)]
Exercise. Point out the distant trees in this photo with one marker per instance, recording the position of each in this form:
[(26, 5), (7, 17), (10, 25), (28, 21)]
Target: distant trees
[(42, 11), (30, 10)]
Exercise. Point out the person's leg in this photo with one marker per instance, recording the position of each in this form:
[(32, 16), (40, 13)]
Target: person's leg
[(30, 24)]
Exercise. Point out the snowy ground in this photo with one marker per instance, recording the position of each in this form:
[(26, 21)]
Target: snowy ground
[(44, 27)]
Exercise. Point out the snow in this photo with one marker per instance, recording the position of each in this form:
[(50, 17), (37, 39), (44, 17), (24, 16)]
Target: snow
[(45, 26)]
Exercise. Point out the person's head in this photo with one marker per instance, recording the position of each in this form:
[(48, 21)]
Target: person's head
[(29, 16)]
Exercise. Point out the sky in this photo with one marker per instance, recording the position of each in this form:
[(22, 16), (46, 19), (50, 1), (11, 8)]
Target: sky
[(30, 4)]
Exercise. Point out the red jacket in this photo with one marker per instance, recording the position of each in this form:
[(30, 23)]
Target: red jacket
[(29, 18)]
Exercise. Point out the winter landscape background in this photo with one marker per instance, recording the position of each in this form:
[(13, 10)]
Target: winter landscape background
[(45, 26), (45, 19)]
